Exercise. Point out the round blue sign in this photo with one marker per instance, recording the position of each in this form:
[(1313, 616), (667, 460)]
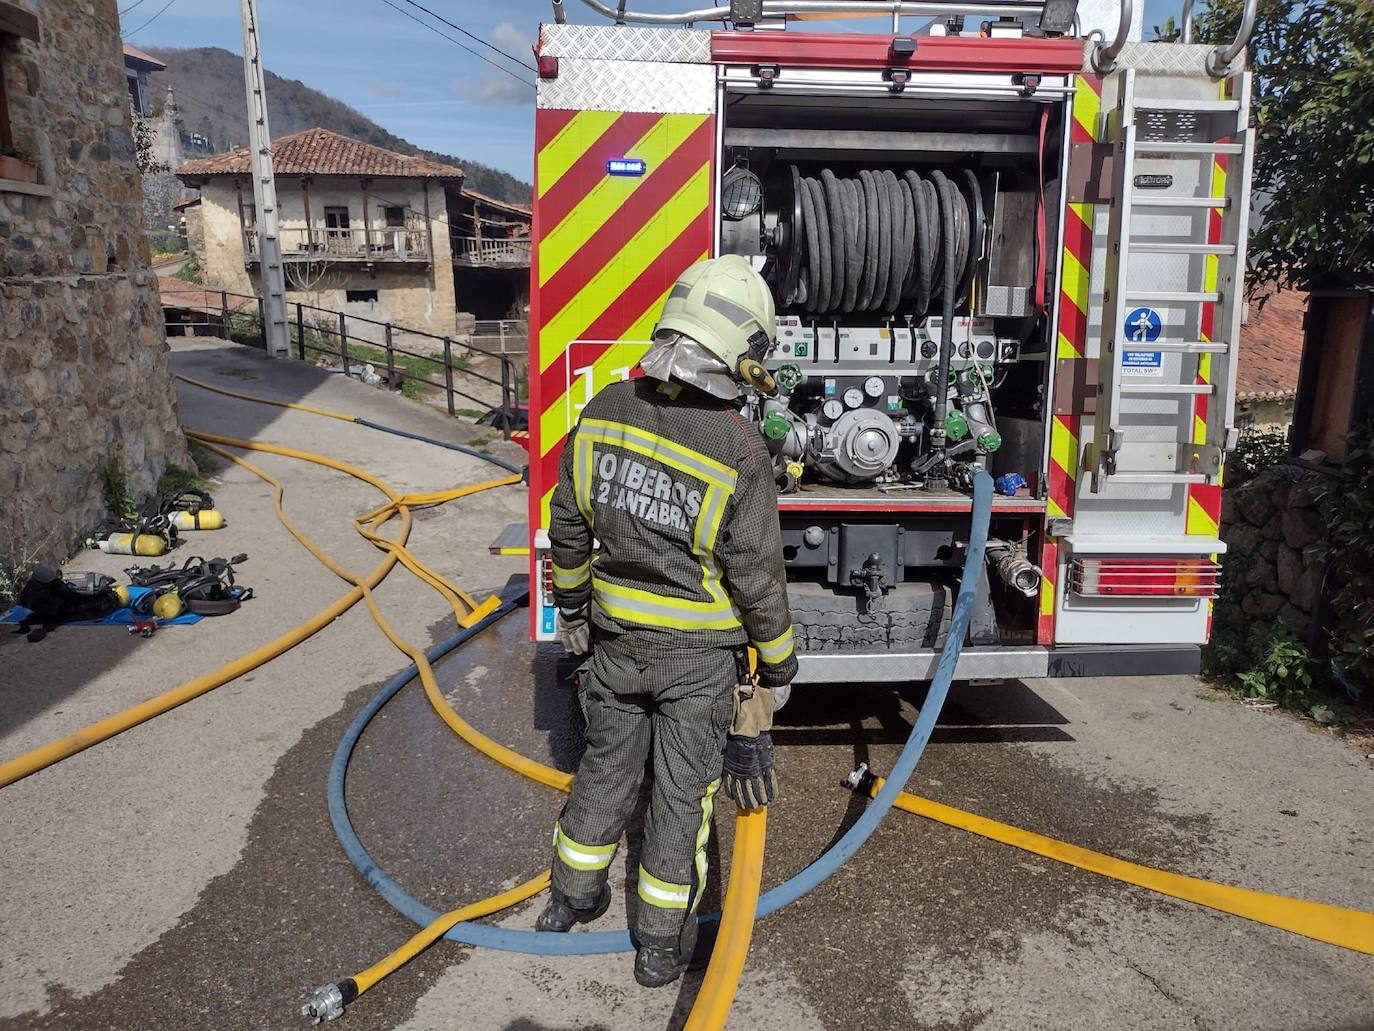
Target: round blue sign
[(1143, 326)]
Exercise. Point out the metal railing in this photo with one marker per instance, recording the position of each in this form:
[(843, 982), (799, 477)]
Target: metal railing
[(472, 251), (385, 244), (355, 342), (503, 334)]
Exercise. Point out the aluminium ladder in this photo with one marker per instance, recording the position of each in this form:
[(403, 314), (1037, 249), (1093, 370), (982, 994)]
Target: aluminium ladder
[(1114, 455)]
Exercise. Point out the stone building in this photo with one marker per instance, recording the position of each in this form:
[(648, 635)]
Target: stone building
[(84, 368), (1270, 353), (491, 255), (364, 230), (137, 65), (369, 232)]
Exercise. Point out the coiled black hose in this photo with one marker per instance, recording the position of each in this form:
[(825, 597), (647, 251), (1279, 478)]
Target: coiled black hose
[(885, 243)]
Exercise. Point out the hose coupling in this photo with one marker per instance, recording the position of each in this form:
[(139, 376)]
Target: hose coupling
[(329, 1000), (861, 780)]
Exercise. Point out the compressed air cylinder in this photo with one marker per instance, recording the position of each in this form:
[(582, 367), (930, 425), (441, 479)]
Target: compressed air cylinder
[(205, 519), (122, 593), (147, 544), (168, 606)]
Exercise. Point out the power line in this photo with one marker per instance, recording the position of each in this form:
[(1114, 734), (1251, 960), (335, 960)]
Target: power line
[(472, 36), (150, 21), (130, 8), (461, 45)]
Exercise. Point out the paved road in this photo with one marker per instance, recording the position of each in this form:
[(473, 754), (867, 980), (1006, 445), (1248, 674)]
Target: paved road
[(184, 875)]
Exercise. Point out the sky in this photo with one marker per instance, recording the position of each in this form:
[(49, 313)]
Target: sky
[(401, 74)]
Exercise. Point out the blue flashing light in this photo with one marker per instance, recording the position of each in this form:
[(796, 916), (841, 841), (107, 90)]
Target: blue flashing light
[(625, 166)]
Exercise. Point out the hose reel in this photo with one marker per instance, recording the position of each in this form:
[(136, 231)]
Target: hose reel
[(874, 242)]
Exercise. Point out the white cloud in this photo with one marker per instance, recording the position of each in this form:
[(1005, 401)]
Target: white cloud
[(494, 90), (512, 39)]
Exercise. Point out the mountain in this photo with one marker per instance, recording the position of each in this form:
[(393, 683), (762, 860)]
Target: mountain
[(209, 90)]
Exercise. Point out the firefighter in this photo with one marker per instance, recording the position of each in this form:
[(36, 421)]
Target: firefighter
[(678, 489)]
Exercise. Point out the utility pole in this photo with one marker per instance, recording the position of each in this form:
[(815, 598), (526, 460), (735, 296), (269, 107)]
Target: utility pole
[(272, 280)]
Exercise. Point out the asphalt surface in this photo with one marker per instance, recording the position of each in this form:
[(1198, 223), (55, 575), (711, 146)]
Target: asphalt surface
[(184, 875)]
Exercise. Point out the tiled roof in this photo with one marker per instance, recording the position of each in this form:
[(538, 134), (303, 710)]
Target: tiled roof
[(519, 209), (321, 152), (1271, 348), (136, 57)]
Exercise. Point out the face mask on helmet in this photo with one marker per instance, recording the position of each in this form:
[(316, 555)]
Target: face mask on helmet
[(750, 368)]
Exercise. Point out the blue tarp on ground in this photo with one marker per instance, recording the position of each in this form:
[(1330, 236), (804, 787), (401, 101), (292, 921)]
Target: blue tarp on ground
[(119, 617)]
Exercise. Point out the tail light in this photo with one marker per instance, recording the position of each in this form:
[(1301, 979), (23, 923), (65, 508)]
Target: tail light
[(1134, 576), (546, 575)]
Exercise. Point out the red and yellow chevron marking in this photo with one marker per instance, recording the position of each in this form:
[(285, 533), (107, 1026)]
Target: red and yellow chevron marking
[(1204, 500), (1071, 346), (607, 250)]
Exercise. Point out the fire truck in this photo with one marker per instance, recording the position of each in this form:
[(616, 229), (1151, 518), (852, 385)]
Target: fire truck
[(998, 242)]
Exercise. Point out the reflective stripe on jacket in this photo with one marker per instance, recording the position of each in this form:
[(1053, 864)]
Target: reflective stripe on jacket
[(678, 489)]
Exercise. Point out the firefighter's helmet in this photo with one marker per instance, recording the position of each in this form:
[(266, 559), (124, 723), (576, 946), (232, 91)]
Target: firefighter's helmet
[(724, 305)]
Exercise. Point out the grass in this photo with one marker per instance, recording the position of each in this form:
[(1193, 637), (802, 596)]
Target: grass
[(205, 463), (114, 488), (414, 368), (190, 272)]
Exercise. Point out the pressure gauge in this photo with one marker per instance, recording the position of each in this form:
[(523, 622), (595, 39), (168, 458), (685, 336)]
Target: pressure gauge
[(874, 387), (853, 397), (833, 408)]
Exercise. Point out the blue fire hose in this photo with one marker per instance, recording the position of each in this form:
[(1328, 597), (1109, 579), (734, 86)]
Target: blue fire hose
[(789, 891)]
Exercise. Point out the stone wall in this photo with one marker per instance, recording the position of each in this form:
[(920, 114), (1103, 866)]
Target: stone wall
[(1271, 525), (84, 364)]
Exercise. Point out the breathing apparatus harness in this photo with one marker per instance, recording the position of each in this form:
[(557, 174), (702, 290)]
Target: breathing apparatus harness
[(204, 587)]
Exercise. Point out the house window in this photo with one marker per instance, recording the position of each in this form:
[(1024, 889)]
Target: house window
[(15, 24), (395, 217), (336, 222), (360, 296)]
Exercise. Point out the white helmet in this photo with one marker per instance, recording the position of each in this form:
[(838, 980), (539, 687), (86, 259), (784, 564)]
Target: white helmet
[(724, 305)]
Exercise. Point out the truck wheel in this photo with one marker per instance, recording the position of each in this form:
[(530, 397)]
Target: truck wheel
[(913, 615)]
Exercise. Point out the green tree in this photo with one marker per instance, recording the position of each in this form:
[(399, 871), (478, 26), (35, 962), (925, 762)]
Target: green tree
[(1314, 156), (145, 139), (1169, 32)]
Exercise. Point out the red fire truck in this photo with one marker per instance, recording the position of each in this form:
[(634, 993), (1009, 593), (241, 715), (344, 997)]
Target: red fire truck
[(996, 243)]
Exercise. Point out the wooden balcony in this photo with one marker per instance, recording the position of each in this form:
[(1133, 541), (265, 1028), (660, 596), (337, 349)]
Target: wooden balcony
[(470, 252), (389, 246)]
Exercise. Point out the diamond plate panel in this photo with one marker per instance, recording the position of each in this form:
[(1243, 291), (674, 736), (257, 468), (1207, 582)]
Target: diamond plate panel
[(670, 89), (1165, 58), (626, 43)]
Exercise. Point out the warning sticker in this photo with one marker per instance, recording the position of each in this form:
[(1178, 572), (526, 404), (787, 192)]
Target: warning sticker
[(1143, 363)]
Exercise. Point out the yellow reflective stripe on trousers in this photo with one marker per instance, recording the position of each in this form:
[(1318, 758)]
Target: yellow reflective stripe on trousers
[(663, 894), (708, 806), (651, 445), (580, 856), (632, 605), (774, 651), (567, 579)]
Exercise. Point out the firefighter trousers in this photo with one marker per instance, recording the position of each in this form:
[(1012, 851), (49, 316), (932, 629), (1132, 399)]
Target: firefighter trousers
[(675, 707)]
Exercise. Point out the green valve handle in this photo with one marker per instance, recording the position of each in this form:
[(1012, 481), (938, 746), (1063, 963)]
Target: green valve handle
[(989, 441), (788, 376), (956, 426), (776, 426)]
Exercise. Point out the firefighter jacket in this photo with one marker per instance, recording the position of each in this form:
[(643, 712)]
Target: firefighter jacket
[(678, 490)]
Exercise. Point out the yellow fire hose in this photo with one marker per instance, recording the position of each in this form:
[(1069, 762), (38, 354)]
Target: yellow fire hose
[(1347, 928), (64, 747), (727, 959)]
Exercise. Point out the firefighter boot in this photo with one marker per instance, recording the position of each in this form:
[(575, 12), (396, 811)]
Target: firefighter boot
[(560, 917)]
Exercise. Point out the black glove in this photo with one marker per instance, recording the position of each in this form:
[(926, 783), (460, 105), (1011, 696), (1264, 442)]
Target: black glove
[(748, 774)]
